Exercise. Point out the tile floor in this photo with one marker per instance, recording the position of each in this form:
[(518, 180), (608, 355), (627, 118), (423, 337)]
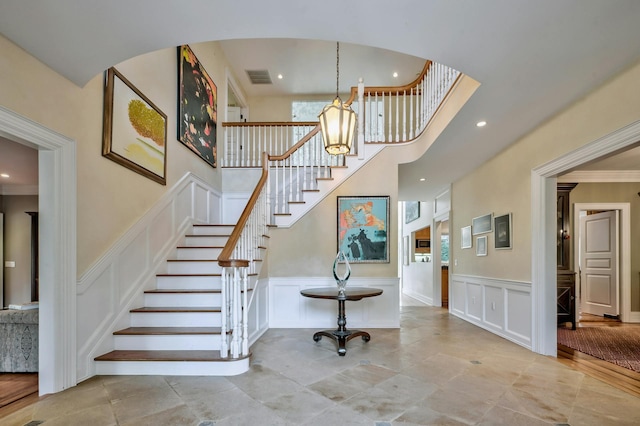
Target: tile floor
[(435, 370)]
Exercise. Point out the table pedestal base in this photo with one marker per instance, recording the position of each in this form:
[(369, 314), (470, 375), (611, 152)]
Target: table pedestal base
[(341, 334), (342, 337)]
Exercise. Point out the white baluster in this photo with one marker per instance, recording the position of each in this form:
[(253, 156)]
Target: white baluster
[(411, 124), (397, 139), (361, 139)]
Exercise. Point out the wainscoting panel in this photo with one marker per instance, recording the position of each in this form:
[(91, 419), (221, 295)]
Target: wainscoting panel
[(114, 284), (500, 306), (289, 309)]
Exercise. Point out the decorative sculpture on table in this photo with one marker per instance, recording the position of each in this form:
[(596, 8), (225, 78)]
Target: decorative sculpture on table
[(341, 271)]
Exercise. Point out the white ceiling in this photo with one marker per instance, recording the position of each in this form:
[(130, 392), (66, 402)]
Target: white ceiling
[(532, 58)]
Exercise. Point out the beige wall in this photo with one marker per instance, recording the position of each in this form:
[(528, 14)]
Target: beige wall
[(616, 193), (278, 108), (110, 197), (503, 184), (308, 248), (17, 246)]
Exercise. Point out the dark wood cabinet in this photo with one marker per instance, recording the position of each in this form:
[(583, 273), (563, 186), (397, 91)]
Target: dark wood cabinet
[(566, 298), (566, 278)]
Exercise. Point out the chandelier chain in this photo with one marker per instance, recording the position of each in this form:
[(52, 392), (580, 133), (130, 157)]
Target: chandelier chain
[(337, 67)]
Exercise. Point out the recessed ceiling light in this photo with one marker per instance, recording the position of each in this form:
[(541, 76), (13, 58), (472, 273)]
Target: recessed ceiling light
[(4, 175), (395, 75), (481, 123), (422, 179), (280, 77)]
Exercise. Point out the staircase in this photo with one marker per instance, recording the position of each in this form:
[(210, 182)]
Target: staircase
[(178, 330)]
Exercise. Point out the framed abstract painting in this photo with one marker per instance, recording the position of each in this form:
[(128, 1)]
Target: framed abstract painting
[(363, 228), (134, 131), (198, 107)]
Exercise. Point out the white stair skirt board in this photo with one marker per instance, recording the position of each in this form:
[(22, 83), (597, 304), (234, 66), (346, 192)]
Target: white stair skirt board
[(174, 368), (151, 342)]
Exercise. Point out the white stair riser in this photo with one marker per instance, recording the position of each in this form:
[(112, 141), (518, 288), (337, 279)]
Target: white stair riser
[(175, 319), (168, 342), (188, 283), (189, 267), (212, 230), (182, 299), (186, 253), (160, 368), (205, 241)]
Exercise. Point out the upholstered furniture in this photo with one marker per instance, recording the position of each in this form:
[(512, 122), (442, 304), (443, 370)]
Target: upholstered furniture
[(18, 341)]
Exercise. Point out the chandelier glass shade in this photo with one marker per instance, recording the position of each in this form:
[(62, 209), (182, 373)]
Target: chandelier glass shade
[(337, 121)]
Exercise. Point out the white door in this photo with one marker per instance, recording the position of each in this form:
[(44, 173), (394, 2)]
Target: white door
[(599, 288), (233, 146)]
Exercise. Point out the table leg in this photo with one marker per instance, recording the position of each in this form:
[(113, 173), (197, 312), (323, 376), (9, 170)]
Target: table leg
[(342, 335)]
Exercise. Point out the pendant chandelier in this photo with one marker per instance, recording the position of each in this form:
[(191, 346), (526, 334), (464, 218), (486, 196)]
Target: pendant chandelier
[(337, 120)]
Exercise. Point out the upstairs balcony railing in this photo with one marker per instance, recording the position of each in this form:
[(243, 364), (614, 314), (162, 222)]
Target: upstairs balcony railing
[(385, 115)]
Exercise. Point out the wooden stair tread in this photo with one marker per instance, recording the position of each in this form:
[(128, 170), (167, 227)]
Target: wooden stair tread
[(207, 235), (213, 224), (169, 331), (179, 291), (177, 355), (200, 247), (188, 309), (310, 190), (192, 260), (188, 275)]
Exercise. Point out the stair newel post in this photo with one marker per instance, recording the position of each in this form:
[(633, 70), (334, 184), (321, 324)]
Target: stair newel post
[(235, 311), (224, 343), (245, 313), (361, 109)]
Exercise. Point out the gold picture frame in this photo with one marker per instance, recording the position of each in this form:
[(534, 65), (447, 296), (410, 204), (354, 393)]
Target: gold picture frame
[(134, 131)]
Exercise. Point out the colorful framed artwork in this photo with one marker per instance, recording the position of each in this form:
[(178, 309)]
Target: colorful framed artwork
[(482, 224), (465, 239), (363, 228), (481, 246), (411, 211), (198, 107), (502, 231), (134, 131)]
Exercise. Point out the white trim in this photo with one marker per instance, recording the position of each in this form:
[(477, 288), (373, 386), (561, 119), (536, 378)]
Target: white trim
[(601, 176), (543, 234), (625, 255), (57, 223)]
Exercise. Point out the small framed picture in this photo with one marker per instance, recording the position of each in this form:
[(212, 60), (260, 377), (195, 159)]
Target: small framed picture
[(502, 231), (465, 239), (481, 246), (412, 211), (482, 224)]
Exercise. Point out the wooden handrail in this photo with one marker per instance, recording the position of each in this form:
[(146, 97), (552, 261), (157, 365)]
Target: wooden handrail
[(296, 146), (268, 123), (224, 259), (390, 89)]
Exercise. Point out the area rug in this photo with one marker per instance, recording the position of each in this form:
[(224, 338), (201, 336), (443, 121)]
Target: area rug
[(618, 345)]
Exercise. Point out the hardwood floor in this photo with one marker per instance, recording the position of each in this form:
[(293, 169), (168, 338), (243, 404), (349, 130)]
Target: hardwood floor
[(619, 377), (17, 390)]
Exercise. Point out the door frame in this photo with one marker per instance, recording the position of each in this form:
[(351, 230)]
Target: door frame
[(624, 238), (436, 256), (544, 226), (57, 235)]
